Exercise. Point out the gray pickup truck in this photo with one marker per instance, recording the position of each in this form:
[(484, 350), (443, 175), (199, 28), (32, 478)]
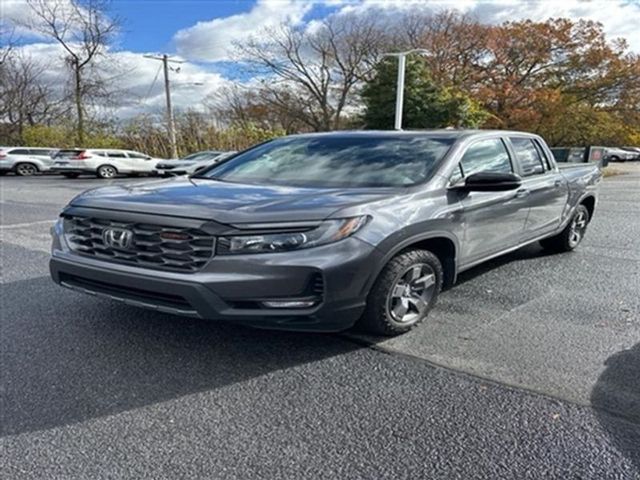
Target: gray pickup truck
[(320, 231)]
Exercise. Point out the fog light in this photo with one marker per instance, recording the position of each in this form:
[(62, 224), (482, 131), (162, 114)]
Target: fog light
[(289, 303)]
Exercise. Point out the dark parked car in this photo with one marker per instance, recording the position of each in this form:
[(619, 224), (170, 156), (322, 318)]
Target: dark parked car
[(319, 231), (581, 155)]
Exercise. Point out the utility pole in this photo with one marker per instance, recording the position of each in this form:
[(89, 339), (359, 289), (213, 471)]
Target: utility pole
[(402, 62), (167, 90)]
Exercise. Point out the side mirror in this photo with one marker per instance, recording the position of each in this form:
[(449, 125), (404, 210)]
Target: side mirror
[(490, 182)]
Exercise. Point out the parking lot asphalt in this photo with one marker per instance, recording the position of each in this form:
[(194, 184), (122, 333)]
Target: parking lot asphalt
[(547, 322), (528, 368)]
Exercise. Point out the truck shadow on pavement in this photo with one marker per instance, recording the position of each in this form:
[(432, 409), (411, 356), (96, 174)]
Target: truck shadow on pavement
[(528, 252), (68, 358), (618, 391)]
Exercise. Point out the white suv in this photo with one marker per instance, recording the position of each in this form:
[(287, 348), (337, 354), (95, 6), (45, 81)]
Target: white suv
[(25, 161), (105, 163)]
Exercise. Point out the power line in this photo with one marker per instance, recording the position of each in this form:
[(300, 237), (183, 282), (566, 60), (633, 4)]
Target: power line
[(167, 90), (153, 84)]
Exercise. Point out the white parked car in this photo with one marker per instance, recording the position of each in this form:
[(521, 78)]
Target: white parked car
[(191, 163), (25, 161), (104, 163), (614, 154)]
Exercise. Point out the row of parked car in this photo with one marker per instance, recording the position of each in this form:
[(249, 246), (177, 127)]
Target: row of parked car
[(103, 163)]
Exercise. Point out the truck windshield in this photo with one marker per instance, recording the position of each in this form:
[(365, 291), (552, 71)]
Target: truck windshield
[(337, 161)]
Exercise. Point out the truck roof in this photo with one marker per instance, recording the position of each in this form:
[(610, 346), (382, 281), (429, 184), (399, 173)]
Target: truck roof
[(442, 133)]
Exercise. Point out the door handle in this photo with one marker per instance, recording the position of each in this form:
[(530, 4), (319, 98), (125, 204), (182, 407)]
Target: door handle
[(523, 192)]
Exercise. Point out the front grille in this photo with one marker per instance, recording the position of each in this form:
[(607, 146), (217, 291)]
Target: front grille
[(181, 249)]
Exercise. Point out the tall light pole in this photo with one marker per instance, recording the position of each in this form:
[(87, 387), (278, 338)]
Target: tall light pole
[(402, 62), (167, 91)]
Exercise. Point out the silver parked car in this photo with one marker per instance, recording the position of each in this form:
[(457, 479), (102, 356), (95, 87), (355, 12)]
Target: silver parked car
[(104, 163), (189, 164), (634, 150), (615, 154), (25, 161)]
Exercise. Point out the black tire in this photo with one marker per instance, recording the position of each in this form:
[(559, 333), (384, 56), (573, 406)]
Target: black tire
[(572, 234), (379, 316), (71, 175), (26, 169), (106, 172), (3, 172), (614, 159)]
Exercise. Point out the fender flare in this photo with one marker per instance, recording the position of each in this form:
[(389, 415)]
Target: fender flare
[(413, 239)]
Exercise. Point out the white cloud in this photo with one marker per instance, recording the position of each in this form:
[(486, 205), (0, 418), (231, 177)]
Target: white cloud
[(618, 17), (212, 40), (132, 77)]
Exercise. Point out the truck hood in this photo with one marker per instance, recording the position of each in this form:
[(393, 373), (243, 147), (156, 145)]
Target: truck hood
[(229, 203)]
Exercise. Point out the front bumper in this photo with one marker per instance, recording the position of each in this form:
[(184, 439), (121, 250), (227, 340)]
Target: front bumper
[(233, 287)]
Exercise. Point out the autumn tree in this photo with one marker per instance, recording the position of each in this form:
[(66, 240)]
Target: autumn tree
[(84, 31), (426, 104)]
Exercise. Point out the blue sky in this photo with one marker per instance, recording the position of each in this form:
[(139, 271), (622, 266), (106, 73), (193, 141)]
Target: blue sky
[(149, 25)]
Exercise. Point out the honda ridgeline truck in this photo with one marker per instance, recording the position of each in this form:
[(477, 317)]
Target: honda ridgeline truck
[(320, 231)]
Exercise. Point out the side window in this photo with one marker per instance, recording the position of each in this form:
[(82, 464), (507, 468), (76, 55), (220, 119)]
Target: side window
[(116, 155), (543, 155), (138, 156), (528, 156), (19, 151), (486, 156)]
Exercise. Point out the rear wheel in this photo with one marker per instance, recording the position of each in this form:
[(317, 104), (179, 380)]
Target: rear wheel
[(404, 293), (26, 169), (572, 234), (106, 171), (71, 175)]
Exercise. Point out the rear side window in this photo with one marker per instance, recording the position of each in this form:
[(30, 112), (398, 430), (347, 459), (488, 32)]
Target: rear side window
[(20, 151), (40, 151), (137, 155), (67, 153), (488, 155), (543, 154), (528, 156)]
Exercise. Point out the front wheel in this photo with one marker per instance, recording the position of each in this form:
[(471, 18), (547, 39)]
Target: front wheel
[(106, 172), (572, 234), (404, 293)]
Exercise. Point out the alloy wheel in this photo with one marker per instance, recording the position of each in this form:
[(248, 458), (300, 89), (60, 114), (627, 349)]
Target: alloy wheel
[(578, 227), (409, 297), (26, 169), (107, 172)]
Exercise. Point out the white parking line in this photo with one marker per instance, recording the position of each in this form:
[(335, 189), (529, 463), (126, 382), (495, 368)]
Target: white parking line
[(24, 225)]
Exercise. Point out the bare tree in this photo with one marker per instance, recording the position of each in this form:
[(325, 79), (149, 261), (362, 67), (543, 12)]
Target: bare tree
[(261, 106), (27, 98), (317, 67), (84, 30)]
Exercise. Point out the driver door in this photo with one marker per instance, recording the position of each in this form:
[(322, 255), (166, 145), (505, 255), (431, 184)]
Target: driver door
[(492, 221)]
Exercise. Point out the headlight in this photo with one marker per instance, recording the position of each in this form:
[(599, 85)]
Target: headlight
[(328, 231)]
